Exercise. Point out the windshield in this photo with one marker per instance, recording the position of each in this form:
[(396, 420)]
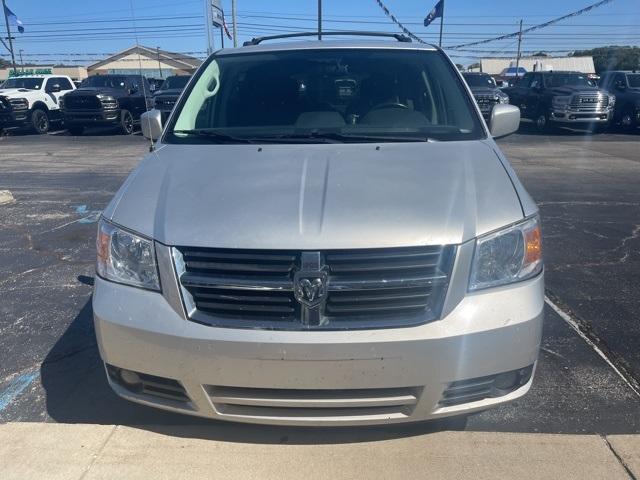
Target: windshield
[(104, 81), (634, 80), (355, 95), (30, 83), (177, 82), (479, 80), (569, 79)]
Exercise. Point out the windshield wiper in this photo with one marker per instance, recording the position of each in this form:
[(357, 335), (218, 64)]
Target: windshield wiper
[(331, 137), (214, 135)]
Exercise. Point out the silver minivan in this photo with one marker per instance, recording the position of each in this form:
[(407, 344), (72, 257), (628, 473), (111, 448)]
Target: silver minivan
[(325, 233)]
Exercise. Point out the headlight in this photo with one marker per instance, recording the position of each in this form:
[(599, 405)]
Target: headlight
[(125, 257), (509, 255), (612, 101), (503, 98), (108, 102), (561, 102), (61, 103), (19, 103)]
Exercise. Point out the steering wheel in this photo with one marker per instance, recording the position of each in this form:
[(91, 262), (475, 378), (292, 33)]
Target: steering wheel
[(390, 105)]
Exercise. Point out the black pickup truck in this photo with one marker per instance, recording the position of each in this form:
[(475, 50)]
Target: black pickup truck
[(104, 100), (166, 97), (561, 98), (626, 87), (485, 91)]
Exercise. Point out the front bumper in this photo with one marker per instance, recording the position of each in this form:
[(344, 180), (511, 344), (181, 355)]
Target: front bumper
[(601, 116), (320, 377), (91, 117), (14, 118)]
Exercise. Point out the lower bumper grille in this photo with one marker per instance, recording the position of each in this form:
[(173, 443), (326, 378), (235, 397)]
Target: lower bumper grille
[(313, 404), (151, 385), (372, 288)]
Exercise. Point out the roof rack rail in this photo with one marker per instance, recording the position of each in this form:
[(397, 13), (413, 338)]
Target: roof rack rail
[(398, 36)]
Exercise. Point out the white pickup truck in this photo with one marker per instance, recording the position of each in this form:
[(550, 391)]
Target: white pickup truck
[(33, 101)]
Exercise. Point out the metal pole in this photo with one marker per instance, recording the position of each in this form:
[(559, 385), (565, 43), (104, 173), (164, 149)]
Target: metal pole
[(207, 24), (319, 19), (159, 64), (233, 20), (222, 36), (518, 57), (6, 21), (21, 62), (441, 23)]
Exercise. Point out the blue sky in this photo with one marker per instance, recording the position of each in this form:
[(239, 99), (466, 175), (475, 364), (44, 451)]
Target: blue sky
[(82, 31)]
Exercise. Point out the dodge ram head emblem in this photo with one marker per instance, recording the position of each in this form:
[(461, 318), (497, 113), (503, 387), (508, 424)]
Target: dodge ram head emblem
[(310, 288)]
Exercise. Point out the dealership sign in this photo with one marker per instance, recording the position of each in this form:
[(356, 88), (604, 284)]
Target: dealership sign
[(217, 15), (30, 71)]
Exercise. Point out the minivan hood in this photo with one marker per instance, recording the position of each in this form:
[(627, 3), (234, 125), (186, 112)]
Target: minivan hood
[(326, 196)]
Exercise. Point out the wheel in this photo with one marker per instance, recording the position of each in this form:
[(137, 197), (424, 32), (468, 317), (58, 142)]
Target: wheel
[(75, 129), (542, 122), (627, 122), (40, 121), (126, 122)]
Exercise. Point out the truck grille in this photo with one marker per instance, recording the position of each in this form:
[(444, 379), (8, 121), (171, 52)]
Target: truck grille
[(589, 102), (82, 102), (165, 104), (373, 288), (486, 102)]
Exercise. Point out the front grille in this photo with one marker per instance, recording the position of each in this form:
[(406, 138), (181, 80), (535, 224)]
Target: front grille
[(165, 103), (82, 102), (372, 288), (486, 102), (589, 102), (314, 405)]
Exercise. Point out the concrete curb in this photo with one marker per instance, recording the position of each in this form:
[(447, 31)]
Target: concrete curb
[(89, 452)]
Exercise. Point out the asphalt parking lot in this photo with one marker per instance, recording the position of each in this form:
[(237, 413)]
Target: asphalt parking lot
[(587, 189)]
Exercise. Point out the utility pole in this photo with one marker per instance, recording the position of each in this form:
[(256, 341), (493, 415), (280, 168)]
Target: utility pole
[(233, 20), (21, 62), (6, 21), (441, 24), (207, 24), (518, 57), (319, 19), (159, 64)]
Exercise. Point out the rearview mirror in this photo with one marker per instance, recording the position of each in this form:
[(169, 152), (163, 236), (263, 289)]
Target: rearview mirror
[(151, 123), (505, 119)]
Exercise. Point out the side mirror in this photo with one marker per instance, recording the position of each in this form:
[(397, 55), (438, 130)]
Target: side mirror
[(55, 88), (505, 119), (151, 123)]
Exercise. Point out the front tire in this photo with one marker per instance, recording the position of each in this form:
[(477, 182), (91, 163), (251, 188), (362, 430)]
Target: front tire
[(542, 122), (40, 121), (126, 122), (627, 122)]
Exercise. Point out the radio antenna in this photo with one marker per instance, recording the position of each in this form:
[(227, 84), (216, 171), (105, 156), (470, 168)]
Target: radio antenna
[(144, 90)]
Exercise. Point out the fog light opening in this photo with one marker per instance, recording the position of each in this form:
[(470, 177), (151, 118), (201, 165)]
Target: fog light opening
[(130, 379), (507, 382)]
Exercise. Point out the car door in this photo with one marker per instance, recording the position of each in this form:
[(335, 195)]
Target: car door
[(137, 97), (619, 88), (52, 92), (519, 93), (535, 94)]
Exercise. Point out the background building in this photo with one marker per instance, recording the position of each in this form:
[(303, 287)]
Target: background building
[(153, 62), (495, 66)]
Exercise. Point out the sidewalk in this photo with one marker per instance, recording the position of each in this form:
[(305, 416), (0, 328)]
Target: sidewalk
[(89, 452)]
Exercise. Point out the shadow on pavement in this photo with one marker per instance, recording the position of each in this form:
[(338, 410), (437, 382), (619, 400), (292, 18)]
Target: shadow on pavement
[(77, 391)]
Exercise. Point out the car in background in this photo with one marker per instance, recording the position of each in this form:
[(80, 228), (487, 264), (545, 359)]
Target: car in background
[(486, 92), (562, 99), (625, 86), (326, 233), (166, 97), (33, 101), (107, 100)]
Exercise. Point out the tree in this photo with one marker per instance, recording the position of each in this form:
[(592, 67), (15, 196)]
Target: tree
[(460, 67), (540, 54), (612, 57), (473, 65), (4, 63)]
